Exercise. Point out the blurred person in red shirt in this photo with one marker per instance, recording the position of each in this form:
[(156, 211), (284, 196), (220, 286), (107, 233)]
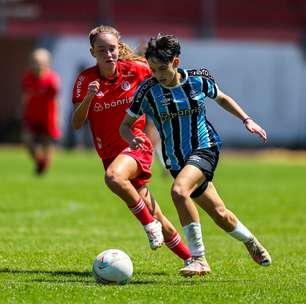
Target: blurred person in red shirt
[(40, 86), (102, 94)]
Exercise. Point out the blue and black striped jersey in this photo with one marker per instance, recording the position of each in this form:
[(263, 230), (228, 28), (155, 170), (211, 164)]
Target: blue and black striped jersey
[(179, 114)]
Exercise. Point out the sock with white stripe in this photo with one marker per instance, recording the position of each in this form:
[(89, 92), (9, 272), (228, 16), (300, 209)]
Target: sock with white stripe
[(176, 244), (141, 211)]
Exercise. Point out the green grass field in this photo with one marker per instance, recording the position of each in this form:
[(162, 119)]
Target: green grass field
[(51, 229)]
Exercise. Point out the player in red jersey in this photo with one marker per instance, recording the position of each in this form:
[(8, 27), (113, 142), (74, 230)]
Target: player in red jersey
[(102, 94), (40, 87)]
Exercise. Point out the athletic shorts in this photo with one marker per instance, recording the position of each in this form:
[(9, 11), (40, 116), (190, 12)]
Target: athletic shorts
[(144, 157), (206, 160), (42, 129)]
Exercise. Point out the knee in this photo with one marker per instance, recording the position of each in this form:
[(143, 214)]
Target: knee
[(178, 192), (113, 179)]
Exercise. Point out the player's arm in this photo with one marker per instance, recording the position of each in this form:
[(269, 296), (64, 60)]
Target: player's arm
[(230, 105), (127, 134), (80, 109)]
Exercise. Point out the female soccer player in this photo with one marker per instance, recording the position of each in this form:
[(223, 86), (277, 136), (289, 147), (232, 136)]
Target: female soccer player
[(40, 87), (102, 95), (175, 99)]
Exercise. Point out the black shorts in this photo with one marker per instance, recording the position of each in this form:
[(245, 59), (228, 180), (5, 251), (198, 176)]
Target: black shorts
[(206, 160)]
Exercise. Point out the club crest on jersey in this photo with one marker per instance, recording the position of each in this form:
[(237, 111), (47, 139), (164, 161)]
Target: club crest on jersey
[(125, 85)]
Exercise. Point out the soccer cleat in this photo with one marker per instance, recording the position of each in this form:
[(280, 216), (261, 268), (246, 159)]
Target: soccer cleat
[(187, 262), (155, 235), (258, 253), (198, 266), (41, 166)]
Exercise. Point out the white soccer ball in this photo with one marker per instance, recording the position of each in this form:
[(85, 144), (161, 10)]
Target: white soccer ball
[(112, 266)]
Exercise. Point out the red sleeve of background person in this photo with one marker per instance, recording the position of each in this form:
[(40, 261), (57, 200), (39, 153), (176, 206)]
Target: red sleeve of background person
[(109, 106), (40, 101)]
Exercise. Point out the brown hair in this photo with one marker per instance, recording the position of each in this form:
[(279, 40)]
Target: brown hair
[(125, 52)]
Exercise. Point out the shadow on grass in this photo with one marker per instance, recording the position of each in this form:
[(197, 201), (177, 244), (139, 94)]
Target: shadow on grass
[(160, 273), (93, 282), (55, 272), (84, 277)]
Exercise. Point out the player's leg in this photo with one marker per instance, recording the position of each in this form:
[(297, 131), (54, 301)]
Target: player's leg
[(189, 179), (154, 137), (30, 141), (212, 203), (47, 152), (118, 176), (172, 238)]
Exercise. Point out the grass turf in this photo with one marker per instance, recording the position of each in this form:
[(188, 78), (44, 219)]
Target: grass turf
[(52, 227)]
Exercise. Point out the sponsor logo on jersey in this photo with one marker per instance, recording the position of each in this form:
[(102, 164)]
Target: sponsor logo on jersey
[(144, 88), (129, 74), (165, 101), (166, 98), (98, 106), (201, 72), (79, 86), (100, 94), (166, 116), (99, 142)]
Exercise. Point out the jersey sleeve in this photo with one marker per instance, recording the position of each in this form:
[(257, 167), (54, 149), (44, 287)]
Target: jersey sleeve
[(210, 87), (135, 109), (143, 70), (79, 89)]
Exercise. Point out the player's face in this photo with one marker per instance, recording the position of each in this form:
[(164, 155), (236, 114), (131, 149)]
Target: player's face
[(166, 74), (39, 64), (106, 51)]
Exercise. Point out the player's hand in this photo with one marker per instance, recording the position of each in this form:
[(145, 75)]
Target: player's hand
[(136, 143), (253, 127), (93, 88)]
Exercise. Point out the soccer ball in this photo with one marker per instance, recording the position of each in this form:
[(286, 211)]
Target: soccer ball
[(112, 266)]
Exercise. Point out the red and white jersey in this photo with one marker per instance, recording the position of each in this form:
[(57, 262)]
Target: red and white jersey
[(109, 106), (40, 104)]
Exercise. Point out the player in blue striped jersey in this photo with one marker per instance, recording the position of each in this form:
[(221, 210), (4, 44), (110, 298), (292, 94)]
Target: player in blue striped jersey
[(174, 99)]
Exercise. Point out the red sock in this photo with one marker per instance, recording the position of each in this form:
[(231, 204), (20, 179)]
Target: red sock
[(41, 165), (176, 244), (141, 211)]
